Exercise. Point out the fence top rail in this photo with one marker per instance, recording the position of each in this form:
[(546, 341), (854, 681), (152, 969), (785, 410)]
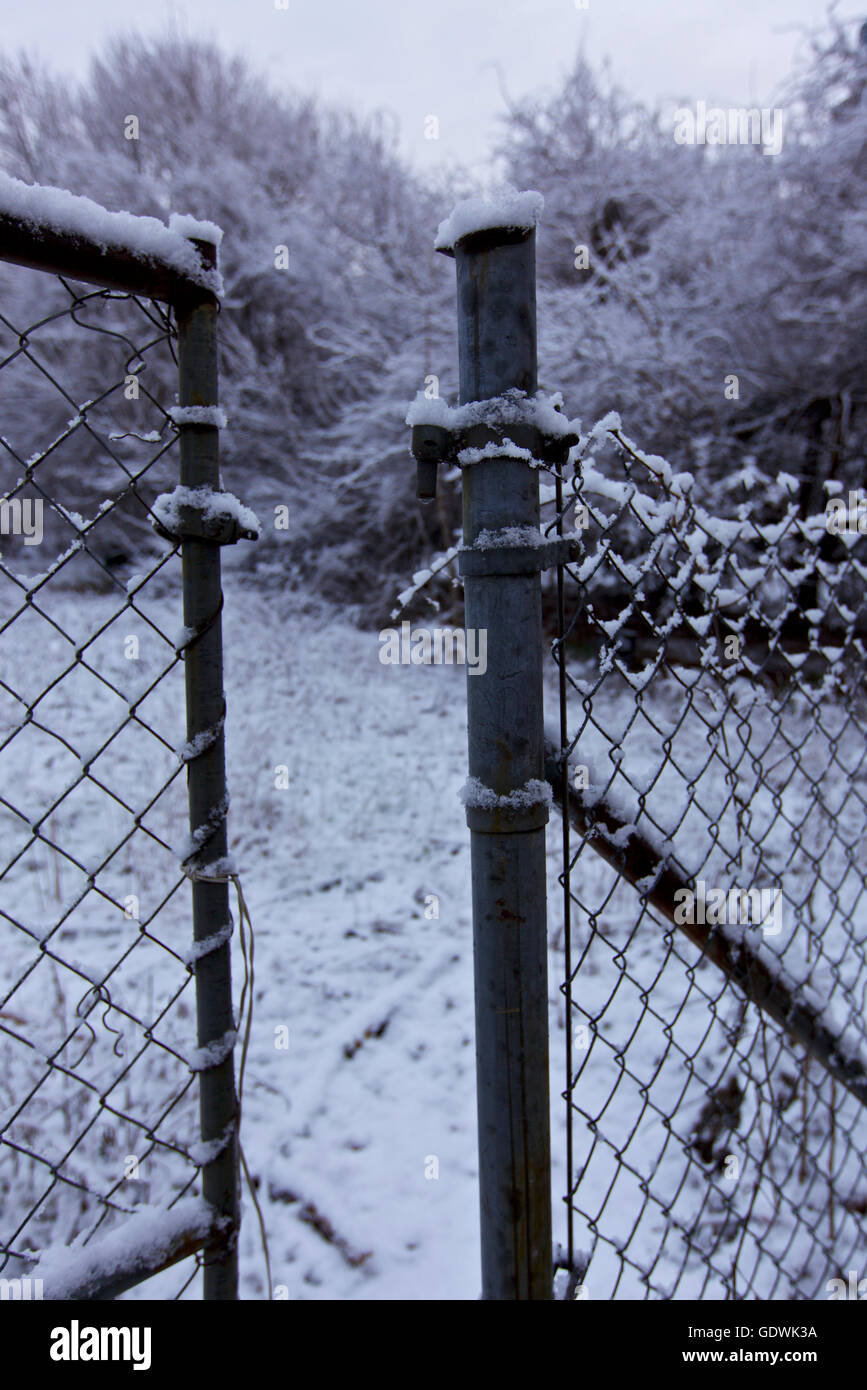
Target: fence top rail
[(53, 230)]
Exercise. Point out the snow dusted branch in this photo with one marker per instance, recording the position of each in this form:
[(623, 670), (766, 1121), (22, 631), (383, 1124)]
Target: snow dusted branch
[(422, 578)]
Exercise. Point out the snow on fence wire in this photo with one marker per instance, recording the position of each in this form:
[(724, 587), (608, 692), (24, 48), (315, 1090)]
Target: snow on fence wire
[(711, 742), (102, 1153)]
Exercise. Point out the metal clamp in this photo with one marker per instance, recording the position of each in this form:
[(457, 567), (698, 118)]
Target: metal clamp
[(507, 820), (483, 562), (435, 444), (220, 528)]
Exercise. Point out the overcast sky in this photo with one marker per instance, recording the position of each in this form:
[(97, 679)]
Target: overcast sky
[(453, 58)]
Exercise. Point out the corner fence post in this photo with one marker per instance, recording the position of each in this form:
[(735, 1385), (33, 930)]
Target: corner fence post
[(196, 317), (496, 295)]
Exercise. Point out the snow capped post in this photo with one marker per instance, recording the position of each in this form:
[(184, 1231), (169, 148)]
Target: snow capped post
[(498, 443)]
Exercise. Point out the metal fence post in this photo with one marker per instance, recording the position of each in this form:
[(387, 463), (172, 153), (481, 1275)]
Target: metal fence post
[(496, 292), (203, 661)]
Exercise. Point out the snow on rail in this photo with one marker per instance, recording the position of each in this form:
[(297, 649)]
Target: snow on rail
[(152, 1239), (47, 209)]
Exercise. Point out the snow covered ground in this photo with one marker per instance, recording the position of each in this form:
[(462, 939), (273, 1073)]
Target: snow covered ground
[(339, 868), (378, 1075)]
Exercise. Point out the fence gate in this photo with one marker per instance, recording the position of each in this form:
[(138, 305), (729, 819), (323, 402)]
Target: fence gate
[(708, 763), (98, 1137)]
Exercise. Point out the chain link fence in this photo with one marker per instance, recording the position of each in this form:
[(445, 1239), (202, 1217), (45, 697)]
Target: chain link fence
[(709, 768), (710, 765), (101, 1156)]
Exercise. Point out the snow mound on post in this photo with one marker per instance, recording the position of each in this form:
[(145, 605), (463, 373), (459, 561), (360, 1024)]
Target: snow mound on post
[(511, 209), (212, 505), (513, 407), (57, 210)]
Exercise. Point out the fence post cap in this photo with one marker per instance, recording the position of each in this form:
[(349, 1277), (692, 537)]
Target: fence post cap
[(477, 223)]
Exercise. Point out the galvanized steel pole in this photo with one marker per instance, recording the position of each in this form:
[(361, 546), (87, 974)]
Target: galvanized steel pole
[(203, 662), (496, 290)]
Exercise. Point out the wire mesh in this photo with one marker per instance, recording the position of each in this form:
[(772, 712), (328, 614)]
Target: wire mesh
[(98, 1111), (711, 742)]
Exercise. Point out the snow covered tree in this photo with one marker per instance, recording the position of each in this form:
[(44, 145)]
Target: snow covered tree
[(330, 319), (712, 295)]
